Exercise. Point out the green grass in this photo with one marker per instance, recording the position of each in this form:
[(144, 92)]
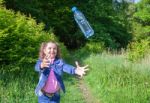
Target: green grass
[(73, 94), (18, 87), (112, 79)]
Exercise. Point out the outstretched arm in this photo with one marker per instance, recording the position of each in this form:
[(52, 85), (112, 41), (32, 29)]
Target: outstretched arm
[(80, 70)]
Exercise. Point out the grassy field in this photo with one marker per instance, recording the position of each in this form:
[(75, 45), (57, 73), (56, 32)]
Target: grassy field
[(18, 87), (113, 79)]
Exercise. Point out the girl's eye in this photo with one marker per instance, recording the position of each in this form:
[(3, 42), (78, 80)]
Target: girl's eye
[(52, 48)]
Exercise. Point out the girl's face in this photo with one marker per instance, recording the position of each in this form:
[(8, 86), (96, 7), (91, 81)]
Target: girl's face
[(51, 50)]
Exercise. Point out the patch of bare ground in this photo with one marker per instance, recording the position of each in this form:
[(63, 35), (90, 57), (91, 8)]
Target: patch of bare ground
[(89, 98)]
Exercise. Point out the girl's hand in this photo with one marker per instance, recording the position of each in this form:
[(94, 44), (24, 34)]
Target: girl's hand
[(80, 70), (45, 62)]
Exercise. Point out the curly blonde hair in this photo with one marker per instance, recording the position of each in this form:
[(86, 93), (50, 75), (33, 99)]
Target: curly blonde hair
[(43, 46)]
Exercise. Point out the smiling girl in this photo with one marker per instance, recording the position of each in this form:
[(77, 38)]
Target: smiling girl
[(51, 67)]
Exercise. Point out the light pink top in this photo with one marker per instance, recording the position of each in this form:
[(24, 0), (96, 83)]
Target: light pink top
[(51, 85)]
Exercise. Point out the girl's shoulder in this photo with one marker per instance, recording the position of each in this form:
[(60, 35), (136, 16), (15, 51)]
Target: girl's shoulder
[(59, 62), (39, 60)]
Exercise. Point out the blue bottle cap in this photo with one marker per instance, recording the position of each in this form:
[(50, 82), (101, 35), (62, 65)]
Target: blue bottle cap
[(74, 9)]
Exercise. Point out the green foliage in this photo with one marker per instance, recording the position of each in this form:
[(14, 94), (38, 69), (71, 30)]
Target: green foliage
[(114, 80), (113, 34), (94, 47), (141, 20), (19, 87), (138, 50), (1, 2), (110, 26), (89, 48), (143, 9), (20, 38), (55, 14)]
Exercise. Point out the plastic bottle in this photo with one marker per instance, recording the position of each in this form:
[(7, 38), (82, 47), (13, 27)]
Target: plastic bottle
[(82, 22)]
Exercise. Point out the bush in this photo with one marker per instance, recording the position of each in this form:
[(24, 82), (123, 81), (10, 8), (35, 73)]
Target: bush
[(20, 38), (94, 47), (138, 50), (89, 48), (110, 27)]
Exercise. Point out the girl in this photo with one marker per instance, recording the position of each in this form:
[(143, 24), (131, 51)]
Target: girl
[(51, 67)]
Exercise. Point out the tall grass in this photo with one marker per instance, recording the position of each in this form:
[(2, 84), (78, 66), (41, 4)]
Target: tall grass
[(113, 79), (18, 86)]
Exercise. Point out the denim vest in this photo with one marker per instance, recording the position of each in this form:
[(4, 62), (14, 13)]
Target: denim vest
[(59, 66)]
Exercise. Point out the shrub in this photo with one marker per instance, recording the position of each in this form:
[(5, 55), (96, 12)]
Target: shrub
[(138, 50), (89, 48), (20, 38), (94, 47)]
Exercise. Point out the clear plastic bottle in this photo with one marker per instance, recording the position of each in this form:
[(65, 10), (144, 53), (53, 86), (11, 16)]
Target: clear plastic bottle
[(82, 22)]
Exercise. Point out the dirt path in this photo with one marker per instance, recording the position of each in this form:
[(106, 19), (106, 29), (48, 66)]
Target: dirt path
[(89, 98)]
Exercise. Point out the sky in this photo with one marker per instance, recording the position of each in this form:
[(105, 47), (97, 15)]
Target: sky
[(137, 1), (129, 0)]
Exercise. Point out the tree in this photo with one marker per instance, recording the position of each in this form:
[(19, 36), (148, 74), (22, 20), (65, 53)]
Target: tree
[(141, 20), (110, 26), (20, 38)]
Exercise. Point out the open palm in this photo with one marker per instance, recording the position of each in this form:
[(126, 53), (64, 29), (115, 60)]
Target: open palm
[(80, 70)]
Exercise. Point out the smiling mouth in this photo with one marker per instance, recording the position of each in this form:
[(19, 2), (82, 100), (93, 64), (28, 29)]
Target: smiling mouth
[(52, 54)]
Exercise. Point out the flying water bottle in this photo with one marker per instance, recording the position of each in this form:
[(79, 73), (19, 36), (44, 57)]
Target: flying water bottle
[(82, 22)]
